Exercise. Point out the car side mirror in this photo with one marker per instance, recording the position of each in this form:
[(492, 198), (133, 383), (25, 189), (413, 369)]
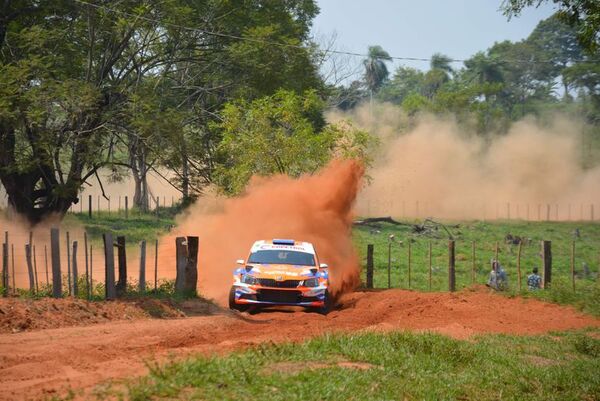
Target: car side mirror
[(240, 261), (323, 266)]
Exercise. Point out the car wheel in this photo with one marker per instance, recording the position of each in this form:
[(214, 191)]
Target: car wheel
[(232, 304), (323, 310)]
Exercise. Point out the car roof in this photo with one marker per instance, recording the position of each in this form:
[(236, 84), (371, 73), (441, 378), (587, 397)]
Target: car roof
[(290, 245)]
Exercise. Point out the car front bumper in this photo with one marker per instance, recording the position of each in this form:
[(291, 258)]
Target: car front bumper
[(258, 295)]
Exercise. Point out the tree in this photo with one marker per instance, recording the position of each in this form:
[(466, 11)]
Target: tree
[(406, 80), (441, 62), (281, 134), (556, 47), (376, 71), (584, 15), (82, 85)]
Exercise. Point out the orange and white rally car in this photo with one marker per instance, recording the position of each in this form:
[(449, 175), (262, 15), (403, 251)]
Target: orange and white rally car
[(281, 272)]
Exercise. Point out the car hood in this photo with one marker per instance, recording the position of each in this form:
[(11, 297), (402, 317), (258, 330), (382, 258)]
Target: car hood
[(285, 271)]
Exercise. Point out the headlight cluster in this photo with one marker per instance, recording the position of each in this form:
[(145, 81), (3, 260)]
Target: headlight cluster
[(311, 282), (248, 279)]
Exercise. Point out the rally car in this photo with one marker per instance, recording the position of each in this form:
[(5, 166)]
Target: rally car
[(281, 272)]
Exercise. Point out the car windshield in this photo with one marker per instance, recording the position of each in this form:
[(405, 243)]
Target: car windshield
[(282, 257)]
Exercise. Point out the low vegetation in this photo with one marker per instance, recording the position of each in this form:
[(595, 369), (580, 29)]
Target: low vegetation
[(586, 296), (375, 366)]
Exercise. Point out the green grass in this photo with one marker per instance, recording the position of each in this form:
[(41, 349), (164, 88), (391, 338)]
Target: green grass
[(137, 227), (141, 226), (395, 366), (485, 235)]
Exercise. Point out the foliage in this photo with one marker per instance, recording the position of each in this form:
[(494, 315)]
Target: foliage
[(376, 71), (281, 134), (584, 15), (128, 86), (376, 366)]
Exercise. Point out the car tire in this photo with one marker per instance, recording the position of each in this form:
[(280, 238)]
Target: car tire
[(232, 304), (326, 308)]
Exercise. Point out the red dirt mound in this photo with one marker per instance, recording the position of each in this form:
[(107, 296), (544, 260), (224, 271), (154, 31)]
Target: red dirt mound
[(47, 362), (18, 315)]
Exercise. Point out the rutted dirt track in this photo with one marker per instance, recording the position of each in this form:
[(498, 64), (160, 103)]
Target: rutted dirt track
[(47, 362)]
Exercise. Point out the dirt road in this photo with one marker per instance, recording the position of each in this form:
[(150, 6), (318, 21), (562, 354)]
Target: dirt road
[(43, 363)]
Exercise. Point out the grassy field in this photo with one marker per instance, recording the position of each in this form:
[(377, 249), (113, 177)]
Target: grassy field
[(485, 235), (393, 366)]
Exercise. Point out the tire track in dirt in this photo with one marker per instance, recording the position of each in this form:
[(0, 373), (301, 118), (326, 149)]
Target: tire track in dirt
[(43, 363)]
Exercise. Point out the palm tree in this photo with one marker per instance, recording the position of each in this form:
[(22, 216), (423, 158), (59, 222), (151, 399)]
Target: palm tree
[(376, 70), (485, 69), (441, 62)]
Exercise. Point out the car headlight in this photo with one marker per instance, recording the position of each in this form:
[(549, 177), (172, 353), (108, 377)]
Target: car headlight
[(248, 279), (311, 282)]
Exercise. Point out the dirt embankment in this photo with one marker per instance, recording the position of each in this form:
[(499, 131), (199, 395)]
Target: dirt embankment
[(47, 362), (18, 315)]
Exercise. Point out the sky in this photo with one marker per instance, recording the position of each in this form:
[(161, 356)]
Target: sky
[(419, 28)]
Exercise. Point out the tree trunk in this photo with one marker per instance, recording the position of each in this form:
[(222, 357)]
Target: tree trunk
[(37, 193), (137, 162)]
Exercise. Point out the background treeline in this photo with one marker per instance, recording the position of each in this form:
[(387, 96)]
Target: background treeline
[(213, 91), (547, 72)]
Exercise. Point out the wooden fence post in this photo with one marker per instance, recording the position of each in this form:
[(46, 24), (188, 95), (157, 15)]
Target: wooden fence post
[(389, 270), (35, 270), (91, 283), (75, 275), (155, 265), (90, 206), (55, 256), (573, 264), (519, 264), (370, 266), (12, 256), (46, 263), (451, 266), (472, 262), (4, 268), (122, 257), (109, 267), (142, 283), (87, 266), (191, 267), (29, 268), (496, 251), (157, 206), (69, 263), (180, 255), (547, 262), (430, 267), (126, 207), (409, 264)]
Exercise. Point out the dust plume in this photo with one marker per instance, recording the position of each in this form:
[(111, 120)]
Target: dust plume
[(440, 169), (315, 208)]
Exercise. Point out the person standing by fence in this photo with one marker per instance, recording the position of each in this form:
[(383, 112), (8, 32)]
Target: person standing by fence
[(534, 280)]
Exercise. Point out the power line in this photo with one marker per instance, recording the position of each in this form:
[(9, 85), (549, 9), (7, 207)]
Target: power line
[(273, 43)]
